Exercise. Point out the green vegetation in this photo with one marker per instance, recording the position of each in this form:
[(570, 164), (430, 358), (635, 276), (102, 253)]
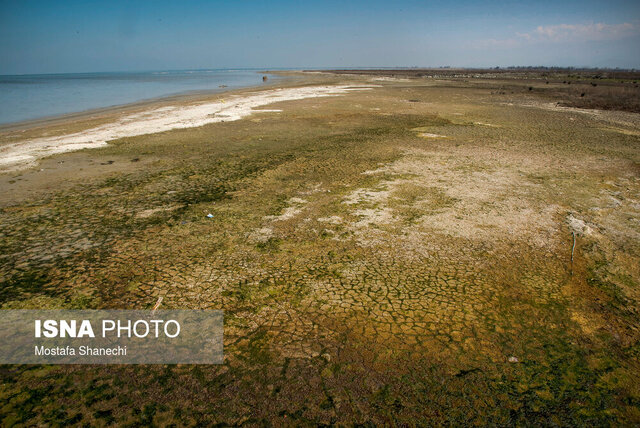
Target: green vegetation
[(367, 274)]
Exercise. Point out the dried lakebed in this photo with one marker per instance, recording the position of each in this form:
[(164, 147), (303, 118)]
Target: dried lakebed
[(369, 271)]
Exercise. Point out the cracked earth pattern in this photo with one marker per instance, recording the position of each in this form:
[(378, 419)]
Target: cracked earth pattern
[(420, 278)]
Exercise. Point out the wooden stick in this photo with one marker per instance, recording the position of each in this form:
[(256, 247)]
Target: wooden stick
[(155, 308), (572, 250)]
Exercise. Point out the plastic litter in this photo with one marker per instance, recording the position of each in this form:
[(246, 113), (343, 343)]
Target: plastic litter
[(210, 215)]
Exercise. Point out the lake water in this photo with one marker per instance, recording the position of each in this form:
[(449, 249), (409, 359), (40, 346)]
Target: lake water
[(27, 97)]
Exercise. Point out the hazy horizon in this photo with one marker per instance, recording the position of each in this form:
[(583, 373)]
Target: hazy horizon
[(40, 37), (275, 69)]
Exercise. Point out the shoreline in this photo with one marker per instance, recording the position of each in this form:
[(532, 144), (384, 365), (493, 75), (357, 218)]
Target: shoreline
[(179, 97), (23, 144)]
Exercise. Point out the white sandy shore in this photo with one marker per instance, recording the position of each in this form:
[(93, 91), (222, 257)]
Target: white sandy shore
[(24, 154)]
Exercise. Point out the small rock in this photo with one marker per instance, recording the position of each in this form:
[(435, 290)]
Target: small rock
[(579, 227)]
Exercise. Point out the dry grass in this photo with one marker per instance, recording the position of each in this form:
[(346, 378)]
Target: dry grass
[(367, 274)]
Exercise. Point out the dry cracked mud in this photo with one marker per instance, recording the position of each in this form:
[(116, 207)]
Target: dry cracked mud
[(398, 256)]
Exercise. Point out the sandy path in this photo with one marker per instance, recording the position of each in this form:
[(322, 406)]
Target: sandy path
[(24, 154)]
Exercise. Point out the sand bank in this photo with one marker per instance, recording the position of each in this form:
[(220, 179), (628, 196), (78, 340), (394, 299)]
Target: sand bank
[(23, 154)]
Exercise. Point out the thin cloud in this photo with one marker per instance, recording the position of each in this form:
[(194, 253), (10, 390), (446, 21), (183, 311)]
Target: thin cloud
[(497, 43), (582, 32), (590, 32)]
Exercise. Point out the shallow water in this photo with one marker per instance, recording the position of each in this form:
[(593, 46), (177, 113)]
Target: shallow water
[(27, 97)]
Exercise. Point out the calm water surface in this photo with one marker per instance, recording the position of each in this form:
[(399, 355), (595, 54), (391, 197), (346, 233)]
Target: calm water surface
[(35, 96)]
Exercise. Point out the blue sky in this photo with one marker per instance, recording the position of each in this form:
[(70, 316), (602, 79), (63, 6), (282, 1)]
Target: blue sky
[(115, 35)]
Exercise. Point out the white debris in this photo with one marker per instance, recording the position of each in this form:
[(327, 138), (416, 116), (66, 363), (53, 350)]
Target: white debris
[(579, 227)]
